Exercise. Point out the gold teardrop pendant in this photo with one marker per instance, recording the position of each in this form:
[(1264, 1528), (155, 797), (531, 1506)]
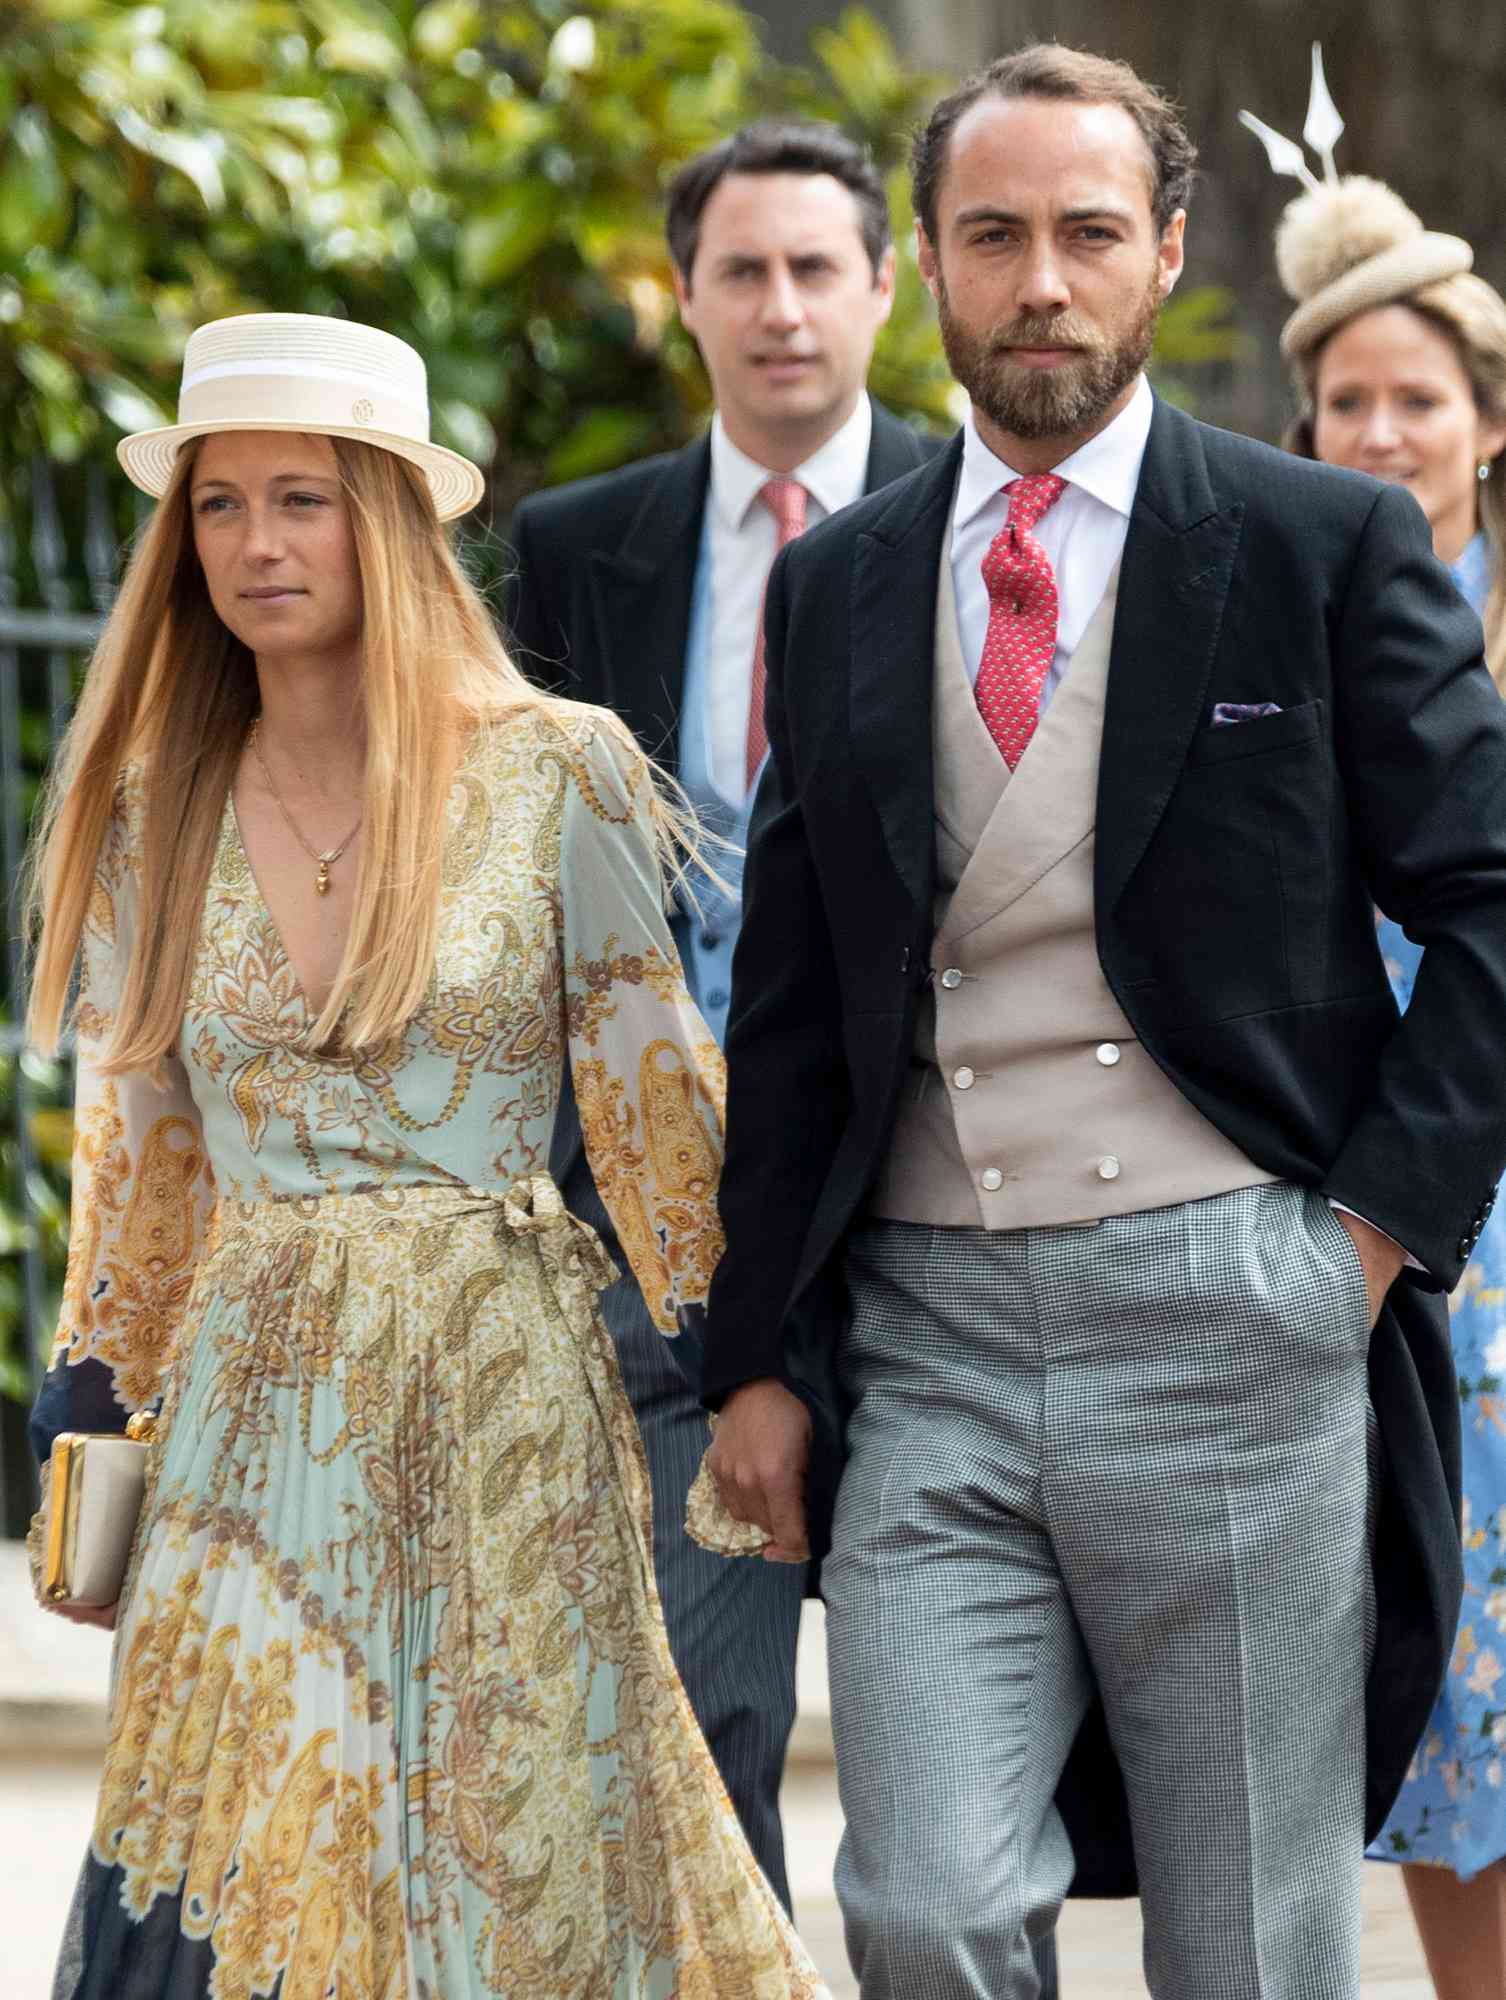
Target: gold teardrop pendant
[(321, 880)]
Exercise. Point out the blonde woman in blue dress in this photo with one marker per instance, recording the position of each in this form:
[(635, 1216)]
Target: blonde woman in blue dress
[(393, 1716), (1399, 351)]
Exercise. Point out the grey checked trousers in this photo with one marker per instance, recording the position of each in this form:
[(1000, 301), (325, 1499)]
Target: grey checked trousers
[(1130, 1455)]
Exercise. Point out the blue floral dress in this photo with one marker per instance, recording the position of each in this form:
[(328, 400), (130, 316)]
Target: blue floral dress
[(1452, 1808)]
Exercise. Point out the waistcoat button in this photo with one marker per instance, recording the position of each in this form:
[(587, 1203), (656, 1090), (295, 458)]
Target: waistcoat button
[(1108, 1169), (951, 979), (1107, 1053), (992, 1179), (963, 1078)]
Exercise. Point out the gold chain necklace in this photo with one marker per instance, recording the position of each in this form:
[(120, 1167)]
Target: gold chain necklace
[(321, 880)]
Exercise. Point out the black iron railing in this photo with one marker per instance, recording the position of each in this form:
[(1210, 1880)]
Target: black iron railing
[(52, 602)]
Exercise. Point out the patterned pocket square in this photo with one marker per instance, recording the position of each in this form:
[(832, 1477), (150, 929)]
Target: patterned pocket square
[(1225, 712)]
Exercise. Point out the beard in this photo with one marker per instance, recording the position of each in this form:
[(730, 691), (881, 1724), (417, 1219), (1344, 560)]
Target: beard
[(1062, 402)]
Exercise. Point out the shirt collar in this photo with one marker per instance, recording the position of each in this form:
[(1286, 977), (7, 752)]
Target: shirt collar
[(834, 476), (1471, 572), (1107, 466)]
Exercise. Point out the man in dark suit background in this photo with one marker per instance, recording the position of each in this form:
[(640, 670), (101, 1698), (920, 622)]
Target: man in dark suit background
[(1116, 1206), (642, 590)]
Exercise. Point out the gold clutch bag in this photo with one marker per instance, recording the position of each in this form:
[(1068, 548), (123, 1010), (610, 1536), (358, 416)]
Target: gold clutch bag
[(94, 1487)]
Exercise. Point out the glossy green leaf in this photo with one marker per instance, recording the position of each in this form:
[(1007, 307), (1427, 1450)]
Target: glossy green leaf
[(127, 407), (361, 40), (465, 428), (35, 204), (505, 235), (600, 440), (445, 27), (47, 371)]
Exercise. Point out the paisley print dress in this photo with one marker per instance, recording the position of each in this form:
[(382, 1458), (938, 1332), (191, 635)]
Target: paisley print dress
[(393, 1716), (1452, 1808)]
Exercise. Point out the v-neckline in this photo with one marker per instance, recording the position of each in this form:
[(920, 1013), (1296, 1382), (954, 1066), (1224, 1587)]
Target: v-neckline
[(233, 824)]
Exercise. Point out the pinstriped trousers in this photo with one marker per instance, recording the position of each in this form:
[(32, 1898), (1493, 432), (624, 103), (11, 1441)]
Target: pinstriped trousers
[(732, 1626), (1130, 1455)]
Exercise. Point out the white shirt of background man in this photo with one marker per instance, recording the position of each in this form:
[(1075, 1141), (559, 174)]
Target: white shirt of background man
[(744, 540), (1082, 534)]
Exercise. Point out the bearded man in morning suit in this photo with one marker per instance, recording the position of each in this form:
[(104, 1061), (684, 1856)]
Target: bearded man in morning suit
[(641, 590), (1093, 746)]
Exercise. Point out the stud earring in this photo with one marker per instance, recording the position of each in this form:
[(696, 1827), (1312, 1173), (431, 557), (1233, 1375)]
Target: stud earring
[(1482, 470)]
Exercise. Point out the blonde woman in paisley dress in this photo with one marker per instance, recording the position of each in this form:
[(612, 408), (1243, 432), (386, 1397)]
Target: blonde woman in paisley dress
[(393, 1716)]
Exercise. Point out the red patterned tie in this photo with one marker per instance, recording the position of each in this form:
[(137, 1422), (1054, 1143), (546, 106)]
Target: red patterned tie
[(1022, 608), (785, 500)]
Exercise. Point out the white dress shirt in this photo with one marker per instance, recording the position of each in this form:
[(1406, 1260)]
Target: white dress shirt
[(743, 541), (1082, 534)]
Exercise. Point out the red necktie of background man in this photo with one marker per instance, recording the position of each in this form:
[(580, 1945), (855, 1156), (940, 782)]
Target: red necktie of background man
[(1022, 614), (786, 501)]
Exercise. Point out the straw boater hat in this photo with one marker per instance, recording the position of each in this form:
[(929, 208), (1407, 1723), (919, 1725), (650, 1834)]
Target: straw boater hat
[(301, 372), (1348, 244)]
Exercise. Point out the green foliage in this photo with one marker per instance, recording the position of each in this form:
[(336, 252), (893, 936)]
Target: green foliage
[(484, 179), (1197, 330), (50, 1126)]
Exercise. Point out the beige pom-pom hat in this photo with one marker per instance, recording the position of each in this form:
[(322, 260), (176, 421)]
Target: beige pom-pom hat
[(1346, 245), (303, 372)]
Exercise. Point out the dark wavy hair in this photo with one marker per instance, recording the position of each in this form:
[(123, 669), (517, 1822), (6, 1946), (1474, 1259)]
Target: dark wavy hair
[(1047, 70), (778, 146)]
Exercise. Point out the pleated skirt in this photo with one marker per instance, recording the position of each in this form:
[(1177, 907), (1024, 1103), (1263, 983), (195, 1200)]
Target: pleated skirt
[(393, 1716)]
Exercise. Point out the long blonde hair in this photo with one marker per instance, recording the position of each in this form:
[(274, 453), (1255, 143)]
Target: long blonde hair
[(172, 690), (1472, 316)]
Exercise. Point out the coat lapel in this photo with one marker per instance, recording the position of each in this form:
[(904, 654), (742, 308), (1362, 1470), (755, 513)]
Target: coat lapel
[(893, 626), (641, 595), (1174, 580)]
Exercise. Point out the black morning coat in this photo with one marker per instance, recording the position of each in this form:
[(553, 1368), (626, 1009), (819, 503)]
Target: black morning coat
[(1238, 871)]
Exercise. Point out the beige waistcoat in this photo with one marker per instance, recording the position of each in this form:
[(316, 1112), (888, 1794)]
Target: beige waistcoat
[(1030, 1101)]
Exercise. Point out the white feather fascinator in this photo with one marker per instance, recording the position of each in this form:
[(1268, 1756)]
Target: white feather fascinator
[(1347, 243)]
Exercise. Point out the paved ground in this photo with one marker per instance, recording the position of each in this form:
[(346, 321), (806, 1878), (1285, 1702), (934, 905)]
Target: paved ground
[(51, 1721)]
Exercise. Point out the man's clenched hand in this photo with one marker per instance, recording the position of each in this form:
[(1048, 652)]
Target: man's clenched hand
[(758, 1460)]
